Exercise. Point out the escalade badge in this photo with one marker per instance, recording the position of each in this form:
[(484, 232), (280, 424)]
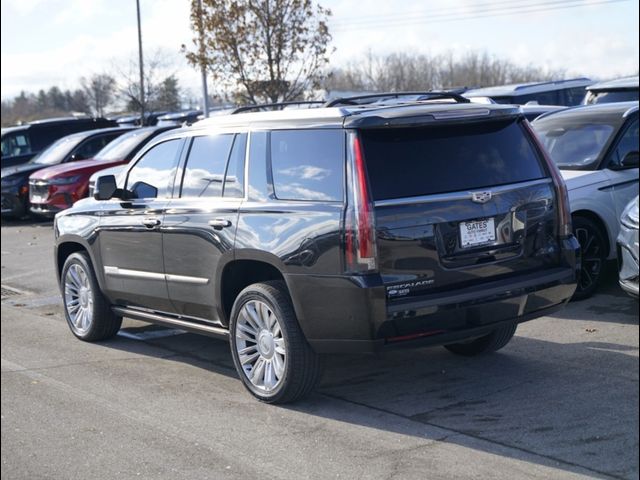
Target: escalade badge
[(480, 197)]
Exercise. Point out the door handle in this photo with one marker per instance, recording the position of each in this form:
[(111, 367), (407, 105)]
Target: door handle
[(151, 222), (220, 223)]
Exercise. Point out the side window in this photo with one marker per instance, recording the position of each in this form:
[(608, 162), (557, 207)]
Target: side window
[(92, 146), (308, 164), (627, 143), (574, 96), (206, 163), (234, 178), (153, 174), (15, 144)]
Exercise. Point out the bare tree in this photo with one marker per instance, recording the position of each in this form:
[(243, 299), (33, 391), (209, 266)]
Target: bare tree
[(273, 50), (99, 89), (158, 69), (402, 71)]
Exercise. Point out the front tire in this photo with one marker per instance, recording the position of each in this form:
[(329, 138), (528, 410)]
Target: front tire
[(486, 344), (271, 355), (86, 309)]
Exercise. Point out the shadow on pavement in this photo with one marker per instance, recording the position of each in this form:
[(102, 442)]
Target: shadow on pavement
[(554, 404)]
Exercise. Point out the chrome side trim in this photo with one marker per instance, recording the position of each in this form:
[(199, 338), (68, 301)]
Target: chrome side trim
[(443, 197), (171, 322), (124, 272), (186, 279)]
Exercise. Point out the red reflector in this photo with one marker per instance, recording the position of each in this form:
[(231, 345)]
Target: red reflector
[(413, 336)]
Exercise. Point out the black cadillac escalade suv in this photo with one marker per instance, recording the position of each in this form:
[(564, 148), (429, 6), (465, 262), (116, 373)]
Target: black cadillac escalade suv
[(367, 223)]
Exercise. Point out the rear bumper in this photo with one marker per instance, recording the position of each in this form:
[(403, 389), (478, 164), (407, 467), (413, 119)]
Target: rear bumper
[(350, 314)]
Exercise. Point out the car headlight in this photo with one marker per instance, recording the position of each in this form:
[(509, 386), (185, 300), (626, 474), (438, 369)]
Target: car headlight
[(63, 180), (629, 216)]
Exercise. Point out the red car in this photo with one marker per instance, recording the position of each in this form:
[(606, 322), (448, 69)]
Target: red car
[(56, 188)]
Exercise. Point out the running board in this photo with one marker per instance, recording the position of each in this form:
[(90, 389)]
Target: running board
[(167, 321)]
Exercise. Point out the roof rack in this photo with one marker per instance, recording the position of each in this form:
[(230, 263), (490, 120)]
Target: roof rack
[(274, 106), (422, 96)]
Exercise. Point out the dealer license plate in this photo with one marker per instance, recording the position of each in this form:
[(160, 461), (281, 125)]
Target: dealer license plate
[(477, 232)]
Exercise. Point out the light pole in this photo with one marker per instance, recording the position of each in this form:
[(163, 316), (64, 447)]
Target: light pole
[(140, 61), (203, 68)]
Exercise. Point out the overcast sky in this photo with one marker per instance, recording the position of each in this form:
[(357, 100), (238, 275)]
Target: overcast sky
[(55, 42)]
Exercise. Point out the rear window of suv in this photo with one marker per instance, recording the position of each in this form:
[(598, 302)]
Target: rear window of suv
[(412, 162)]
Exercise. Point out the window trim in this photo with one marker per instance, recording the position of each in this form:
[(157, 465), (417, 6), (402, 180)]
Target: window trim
[(143, 154)]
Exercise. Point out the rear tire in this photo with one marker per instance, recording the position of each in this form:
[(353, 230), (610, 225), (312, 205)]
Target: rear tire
[(593, 256), (486, 344), (86, 309), (269, 350)]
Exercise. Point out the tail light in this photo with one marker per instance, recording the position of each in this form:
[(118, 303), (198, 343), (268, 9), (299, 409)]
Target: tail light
[(360, 240), (562, 195)]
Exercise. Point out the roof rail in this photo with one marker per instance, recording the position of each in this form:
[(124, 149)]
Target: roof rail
[(422, 96), (274, 106)]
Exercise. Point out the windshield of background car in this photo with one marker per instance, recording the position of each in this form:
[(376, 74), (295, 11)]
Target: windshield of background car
[(411, 162), (122, 146), (575, 142), (611, 97), (58, 151)]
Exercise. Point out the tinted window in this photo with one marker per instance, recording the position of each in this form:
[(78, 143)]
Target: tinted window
[(15, 144), (541, 98), (125, 145), (157, 167), (574, 96), (308, 164), (92, 146), (234, 179), (204, 172), (611, 97), (628, 143), (423, 161), (57, 152)]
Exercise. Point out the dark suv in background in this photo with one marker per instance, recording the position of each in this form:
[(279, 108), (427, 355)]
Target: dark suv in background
[(365, 224), (72, 148), (22, 142)]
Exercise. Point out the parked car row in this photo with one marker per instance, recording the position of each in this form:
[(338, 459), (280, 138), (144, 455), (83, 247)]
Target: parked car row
[(571, 92), (23, 142), (595, 147)]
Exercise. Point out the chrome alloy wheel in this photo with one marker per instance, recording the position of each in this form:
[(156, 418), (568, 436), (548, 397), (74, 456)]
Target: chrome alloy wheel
[(78, 298), (260, 346)]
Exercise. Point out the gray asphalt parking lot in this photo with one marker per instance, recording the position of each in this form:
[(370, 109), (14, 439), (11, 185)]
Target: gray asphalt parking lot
[(560, 401)]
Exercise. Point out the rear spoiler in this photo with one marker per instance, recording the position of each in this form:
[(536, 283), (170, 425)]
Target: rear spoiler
[(400, 117)]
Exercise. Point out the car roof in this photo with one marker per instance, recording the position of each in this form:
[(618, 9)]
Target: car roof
[(356, 116), (618, 83), (618, 110), (527, 88)]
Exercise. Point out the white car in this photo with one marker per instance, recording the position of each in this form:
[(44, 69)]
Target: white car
[(596, 149)]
